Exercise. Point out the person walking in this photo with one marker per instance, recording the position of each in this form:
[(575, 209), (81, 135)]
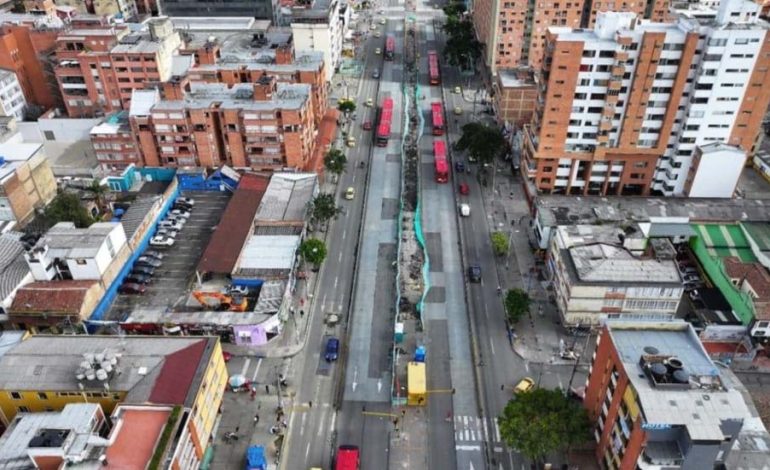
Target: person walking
[(256, 419)]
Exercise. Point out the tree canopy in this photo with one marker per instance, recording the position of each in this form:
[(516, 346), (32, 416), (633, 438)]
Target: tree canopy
[(66, 207), (500, 243), (462, 48), (313, 251), (324, 207), (454, 10), (335, 161), (346, 106), (542, 421), (516, 304), (481, 141)]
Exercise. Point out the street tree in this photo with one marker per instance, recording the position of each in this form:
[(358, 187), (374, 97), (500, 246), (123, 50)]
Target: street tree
[(324, 207), (313, 251), (500, 243), (462, 49), (66, 207), (482, 142), (346, 106), (335, 161), (541, 422), (516, 304), (454, 10)]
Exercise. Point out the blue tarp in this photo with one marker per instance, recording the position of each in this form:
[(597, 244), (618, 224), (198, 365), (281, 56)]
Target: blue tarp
[(255, 458)]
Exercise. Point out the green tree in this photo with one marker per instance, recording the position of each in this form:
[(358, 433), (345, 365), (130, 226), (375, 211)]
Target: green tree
[(99, 192), (454, 10), (542, 421), (516, 304), (324, 207), (346, 106), (462, 48), (66, 207), (335, 161), (482, 142), (500, 243), (313, 251)]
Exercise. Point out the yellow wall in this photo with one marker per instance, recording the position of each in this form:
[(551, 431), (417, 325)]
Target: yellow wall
[(209, 398), (53, 401)]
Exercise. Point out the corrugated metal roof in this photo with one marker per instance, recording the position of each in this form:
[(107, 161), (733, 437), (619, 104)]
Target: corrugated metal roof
[(269, 252), (13, 266), (225, 245), (137, 212), (51, 296), (287, 197)]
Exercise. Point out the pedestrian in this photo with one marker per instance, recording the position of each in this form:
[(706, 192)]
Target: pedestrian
[(272, 429), (284, 424), (301, 313), (253, 394), (267, 388), (310, 404), (256, 419), (237, 428)]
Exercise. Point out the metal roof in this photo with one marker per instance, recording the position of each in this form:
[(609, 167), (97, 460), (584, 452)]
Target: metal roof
[(268, 252), (287, 197), (13, 266)]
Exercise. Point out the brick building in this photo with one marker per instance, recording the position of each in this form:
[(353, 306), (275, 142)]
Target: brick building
[(114, 145), (623, 107), (99, 68), (515, 96), (265, 125), (513, 32), (658, 401)]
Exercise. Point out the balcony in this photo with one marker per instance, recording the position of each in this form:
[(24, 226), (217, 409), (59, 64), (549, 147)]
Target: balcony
[(618, 70)]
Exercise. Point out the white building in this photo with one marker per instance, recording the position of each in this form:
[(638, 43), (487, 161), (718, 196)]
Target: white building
[(66, 252), (602, 272), (715, 170), (11, 95), (320, 26)]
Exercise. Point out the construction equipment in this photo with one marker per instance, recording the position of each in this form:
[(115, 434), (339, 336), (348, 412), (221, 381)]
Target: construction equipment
[(225, 302)]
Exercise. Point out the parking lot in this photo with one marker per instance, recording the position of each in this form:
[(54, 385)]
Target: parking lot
[(171, 282)]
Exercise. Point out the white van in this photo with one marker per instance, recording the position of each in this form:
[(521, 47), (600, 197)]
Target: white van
[(465, 210)]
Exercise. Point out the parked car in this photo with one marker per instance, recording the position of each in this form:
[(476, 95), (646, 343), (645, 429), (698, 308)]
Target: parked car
[(525, 385), (179, 213), (185, 200), (182, 206), (176, 220), (464, 189), (474, 273), (147, 270), (137, 278), (153, 254), (160, 240), (167, 232), (332, 349), (175, 225), (691, 278), (132, 288), (145, 261), (376, 74)]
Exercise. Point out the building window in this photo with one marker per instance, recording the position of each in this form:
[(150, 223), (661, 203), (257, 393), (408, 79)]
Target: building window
[(42, 395), (15, 395), (22, 409), (81, 262)]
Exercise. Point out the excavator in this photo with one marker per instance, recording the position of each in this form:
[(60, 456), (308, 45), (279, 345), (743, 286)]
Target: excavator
[(226, 302)]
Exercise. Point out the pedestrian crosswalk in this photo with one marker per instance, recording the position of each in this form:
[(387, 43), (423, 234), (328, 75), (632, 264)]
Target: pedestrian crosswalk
[(472, 430)]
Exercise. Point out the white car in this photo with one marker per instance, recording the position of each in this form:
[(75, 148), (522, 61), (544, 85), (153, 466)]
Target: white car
[(185, 200), (167, 232), (174, 225), (179, 213), (160, 240), (465, 210)]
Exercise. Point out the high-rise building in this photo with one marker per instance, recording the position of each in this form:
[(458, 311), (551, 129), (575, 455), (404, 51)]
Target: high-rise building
[(513, 32), (12, 102), (623, 107), (658, 401)]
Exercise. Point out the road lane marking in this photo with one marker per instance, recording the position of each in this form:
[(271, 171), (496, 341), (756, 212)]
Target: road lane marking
[(458, 447), (497, 430), (307, 451), (256, 370), (339, 258), (336, 281), (526, 366), (492, 347), (486, 432), (302, 424), (245, 366), (344, 234)]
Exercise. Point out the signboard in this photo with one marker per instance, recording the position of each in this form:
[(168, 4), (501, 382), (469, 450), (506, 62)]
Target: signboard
[(655, 426)]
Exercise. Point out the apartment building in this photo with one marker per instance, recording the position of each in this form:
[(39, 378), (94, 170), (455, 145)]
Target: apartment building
[(114, 145), (119, 9), (623, 107), (99, 68), (658, 401), (602, 272), (273, 54), (318, 26), (515, 96), (26, 181), (12, 102), (27, 43), (514, 32), (265, 125)]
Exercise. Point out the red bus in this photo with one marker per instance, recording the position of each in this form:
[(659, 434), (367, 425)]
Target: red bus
[(390, 47), (437, 114), (433, 71), (347, 458), (440, 162), (386, 117)]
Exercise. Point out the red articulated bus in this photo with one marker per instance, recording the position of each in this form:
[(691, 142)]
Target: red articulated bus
[(433, 71), (390, 47), (440, 162), (437, 115), (386, 118), (347, 458)]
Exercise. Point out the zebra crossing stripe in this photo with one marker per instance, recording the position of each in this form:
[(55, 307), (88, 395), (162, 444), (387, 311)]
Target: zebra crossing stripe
[(497, 432)]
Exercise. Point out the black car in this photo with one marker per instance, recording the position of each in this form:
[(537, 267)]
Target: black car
[(147, 270), (182, 206), (153, 254), (459, 166), (147, 261), (474, 273), (137, 278)]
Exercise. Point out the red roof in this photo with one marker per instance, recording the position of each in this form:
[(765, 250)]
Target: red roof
[(225, 245), (718, 348), (137, 436), (326, 132), (177, 374), (62, 297)]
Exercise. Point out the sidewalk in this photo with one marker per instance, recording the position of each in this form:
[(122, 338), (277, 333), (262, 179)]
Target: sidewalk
[(537, 338), (409, 439)]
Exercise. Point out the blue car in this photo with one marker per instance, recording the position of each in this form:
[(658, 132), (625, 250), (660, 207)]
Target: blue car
[(332, 349), (459, 166)]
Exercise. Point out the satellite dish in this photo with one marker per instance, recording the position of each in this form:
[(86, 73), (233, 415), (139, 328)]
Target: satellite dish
[(101, 375), (80, 375), (90, 374), (85, 365), (99, 357), (89, 357), (106, 366)]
